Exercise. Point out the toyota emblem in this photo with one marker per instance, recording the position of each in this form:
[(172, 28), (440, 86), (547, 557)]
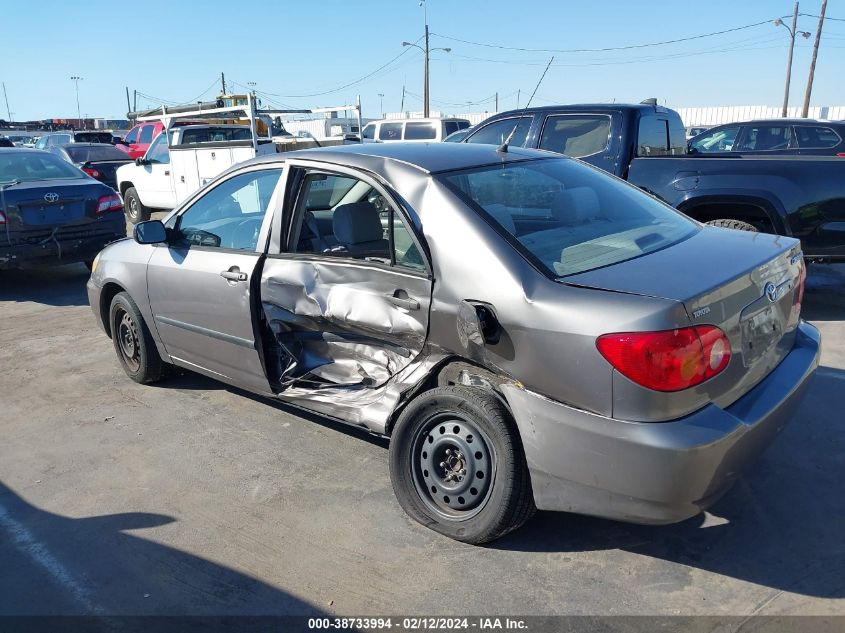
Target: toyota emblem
[(771, 292), (51, 197)]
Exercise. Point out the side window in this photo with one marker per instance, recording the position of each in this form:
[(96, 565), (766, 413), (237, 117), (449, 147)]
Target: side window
[(653, 137), (449, 127), (146, 134), (420, 132), (497, 132), (677, 137), (230, 214), (132, 137), (762, 138), (345, 217), (576, 135), (41, 143), (369, 131), (816, 137), (159, 152), (718, 140), (390, 132)]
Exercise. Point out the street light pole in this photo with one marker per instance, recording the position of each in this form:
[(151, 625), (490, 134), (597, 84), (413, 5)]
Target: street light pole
[(76, 79), (792, 34), (426, 51), (381, 103)]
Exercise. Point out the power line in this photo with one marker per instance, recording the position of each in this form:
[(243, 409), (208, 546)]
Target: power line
[(605, 49), (200, 95), (346, 85), (811, 15)]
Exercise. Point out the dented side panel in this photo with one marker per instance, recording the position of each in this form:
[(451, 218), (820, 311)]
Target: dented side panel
[(338, 335)]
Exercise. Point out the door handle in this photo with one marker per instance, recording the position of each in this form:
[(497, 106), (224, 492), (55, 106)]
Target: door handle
[(400, 298), (167, 173), (181, 179), (233, 275)]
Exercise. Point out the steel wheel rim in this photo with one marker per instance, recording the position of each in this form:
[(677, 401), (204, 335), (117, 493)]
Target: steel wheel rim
[(454, 466), (127, 340), (133, 207)]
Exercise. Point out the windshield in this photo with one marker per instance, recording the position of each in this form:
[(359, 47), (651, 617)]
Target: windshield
[(26, 166), (567, 217), (95, 152)]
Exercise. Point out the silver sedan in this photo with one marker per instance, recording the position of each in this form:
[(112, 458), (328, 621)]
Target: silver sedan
[(528, 331)]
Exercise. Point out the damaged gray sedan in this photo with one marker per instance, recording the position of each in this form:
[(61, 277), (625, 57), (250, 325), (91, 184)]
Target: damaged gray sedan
[(529, 331)]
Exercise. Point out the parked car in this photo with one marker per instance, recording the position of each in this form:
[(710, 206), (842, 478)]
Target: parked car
[(695, 130), (415, 130), (775, 136), (802, 197), (51, 212), (98, 160), (527, 330), (21, 140), (56, 139), (6, 142), (459, 135)]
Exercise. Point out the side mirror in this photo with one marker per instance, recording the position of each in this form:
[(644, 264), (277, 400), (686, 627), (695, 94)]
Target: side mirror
[(141, 161), (150, 232)]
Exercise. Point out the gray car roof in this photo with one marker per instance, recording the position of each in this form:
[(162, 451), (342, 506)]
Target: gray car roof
[(427, 157)]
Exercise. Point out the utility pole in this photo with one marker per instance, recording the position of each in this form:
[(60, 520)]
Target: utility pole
[(128, 103), (6, 97), (381, 103), (76, 79), (517, 98), (134, 101), (806, 108), (223, 82), (426, 51), (402, 107), (497, 101)]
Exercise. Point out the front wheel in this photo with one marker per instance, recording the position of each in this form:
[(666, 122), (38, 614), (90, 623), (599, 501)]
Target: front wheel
[(457, 465), (133, 341), (135, 209)]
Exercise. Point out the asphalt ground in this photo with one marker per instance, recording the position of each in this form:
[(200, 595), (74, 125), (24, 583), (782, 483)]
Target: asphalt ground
[(190, 497)]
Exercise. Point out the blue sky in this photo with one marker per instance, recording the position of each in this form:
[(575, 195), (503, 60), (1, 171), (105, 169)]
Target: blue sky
[(175, 50)]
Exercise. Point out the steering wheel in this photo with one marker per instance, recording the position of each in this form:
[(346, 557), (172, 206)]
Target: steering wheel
[(198, 237)]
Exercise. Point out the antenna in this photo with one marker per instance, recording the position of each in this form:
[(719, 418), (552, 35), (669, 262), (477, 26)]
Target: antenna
[(504, 146)]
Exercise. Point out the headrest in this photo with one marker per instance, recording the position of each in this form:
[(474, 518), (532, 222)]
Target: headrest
[(357, 223), (576, 205)]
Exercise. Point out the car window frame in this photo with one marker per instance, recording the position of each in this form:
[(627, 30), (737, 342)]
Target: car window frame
[(528, 136), (798, 145), (282, 231), (174, 220), (715, 130), (745, 131)]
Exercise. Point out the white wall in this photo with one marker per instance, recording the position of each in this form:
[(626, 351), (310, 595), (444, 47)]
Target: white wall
[(727, 114)]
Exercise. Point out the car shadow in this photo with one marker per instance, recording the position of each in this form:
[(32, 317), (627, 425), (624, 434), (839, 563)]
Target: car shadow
[(780, 526), (824, 295), (55, 286), (96, 565)]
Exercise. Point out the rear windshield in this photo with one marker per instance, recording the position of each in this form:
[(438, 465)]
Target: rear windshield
[(567, 217), (92, 137), (22, 166), (95, 152)]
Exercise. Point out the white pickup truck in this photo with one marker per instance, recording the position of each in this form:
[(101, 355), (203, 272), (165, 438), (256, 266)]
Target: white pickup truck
[(186, 156), (170, 172)]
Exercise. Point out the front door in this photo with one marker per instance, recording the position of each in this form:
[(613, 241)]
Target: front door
[(347, 296), (201, 285), (156, 182)]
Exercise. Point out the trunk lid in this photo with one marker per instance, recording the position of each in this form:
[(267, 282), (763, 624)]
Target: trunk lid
[(39, 205), (107, 169), (745, 283)]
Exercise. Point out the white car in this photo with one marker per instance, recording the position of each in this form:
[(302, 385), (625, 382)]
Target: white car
[(412, 130)]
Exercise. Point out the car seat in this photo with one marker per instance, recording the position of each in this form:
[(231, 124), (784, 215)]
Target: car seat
[(357, 227)]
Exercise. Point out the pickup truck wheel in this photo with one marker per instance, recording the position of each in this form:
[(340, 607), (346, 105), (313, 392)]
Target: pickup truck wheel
[(737, 225), (133, 342), (135, 209), (457, 465)]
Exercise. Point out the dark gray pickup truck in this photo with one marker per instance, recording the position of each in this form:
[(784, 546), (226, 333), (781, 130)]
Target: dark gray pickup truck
[(802, 197)]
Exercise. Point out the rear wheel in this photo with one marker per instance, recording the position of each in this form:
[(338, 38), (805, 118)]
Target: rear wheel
[(135, 209), (133, 342), (737, 225), (457, 465)]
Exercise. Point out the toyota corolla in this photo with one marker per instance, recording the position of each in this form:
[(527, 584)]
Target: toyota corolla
[(529, 332)]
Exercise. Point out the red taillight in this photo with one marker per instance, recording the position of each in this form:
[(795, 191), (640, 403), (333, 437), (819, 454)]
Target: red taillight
[(2, 218), (111, 202), (91, 172), (670, 360), (841, 154)]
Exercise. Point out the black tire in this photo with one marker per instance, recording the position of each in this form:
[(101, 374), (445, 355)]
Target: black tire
[(477, 505), (135, 209), (133, 342), (737, 225)]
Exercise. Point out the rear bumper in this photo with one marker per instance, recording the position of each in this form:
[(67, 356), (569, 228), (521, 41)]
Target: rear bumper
[(660, 472), (57, 250)]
